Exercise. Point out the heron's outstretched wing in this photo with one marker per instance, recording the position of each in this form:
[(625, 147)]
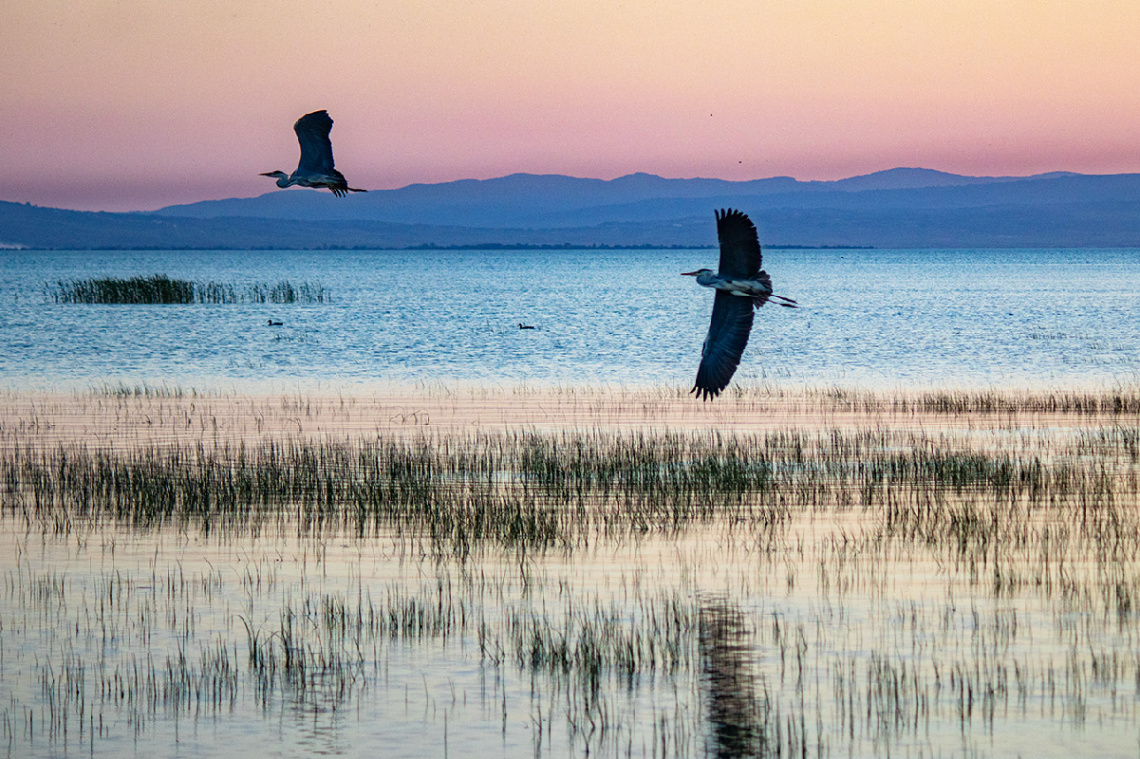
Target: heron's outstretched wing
[(728, 335), (740, 256), (316, 148)]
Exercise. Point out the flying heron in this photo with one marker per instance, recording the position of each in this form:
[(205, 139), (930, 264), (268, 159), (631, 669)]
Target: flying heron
[(741, 286), (315, 168)]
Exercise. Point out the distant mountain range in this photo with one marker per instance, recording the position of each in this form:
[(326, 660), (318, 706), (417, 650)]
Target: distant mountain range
[(896, 208)]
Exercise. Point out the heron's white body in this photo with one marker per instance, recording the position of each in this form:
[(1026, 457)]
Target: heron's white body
[(316, 181), (745, 288)]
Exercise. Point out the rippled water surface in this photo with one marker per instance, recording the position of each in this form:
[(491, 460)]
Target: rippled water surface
[(870, 318)]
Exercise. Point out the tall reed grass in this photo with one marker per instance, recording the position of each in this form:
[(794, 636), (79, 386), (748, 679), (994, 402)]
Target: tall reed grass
[(540, 491), (161, 289)]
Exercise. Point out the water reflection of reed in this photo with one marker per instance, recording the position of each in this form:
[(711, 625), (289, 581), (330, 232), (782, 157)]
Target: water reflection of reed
[(729, 684)]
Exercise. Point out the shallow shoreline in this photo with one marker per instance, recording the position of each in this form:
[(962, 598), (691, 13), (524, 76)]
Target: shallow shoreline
[(123, 420)]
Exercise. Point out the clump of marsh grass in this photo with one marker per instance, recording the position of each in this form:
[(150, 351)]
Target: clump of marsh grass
[(161, 289), (158, 288), (1122, 401), (1119, 402), (543, 490), (143, 390), (520, 490), (285, 292)]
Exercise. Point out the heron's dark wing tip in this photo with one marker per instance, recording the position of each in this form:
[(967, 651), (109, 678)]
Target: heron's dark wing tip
[(724, 214), (316, 148), (705, 393), (727, 337), (740, 254), (314, 119)]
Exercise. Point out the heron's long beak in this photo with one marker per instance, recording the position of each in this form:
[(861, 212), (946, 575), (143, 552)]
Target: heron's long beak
[(689, 273)]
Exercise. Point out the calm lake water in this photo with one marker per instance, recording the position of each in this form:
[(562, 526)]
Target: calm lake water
[(870, 318)]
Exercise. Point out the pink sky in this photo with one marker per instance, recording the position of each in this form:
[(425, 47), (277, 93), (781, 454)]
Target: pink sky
[(137, 104)]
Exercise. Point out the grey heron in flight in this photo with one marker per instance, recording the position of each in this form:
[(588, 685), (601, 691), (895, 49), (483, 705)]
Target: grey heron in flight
[(315, 168), (741, 286)]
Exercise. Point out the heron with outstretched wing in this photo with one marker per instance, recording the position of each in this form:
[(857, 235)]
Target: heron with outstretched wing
[(741, 286), (315, 169)]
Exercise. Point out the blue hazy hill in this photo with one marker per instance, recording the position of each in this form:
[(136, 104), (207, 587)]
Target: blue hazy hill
[(530, 200), (903, 207)]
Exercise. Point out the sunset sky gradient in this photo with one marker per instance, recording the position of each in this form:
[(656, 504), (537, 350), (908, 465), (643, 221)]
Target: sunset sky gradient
[(137, 104)]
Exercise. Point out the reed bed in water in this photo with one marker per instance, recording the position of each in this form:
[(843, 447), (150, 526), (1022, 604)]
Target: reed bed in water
[(884, 584), (1119, 402), (541, 490), (161, 289)]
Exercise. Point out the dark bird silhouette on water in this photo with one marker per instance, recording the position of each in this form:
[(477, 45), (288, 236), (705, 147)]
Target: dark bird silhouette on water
[(315, 169), (525, 326), (741, 286), (276, 324)]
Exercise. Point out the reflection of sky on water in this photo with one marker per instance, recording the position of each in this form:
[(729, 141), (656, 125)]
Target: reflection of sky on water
[(870, 318)]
